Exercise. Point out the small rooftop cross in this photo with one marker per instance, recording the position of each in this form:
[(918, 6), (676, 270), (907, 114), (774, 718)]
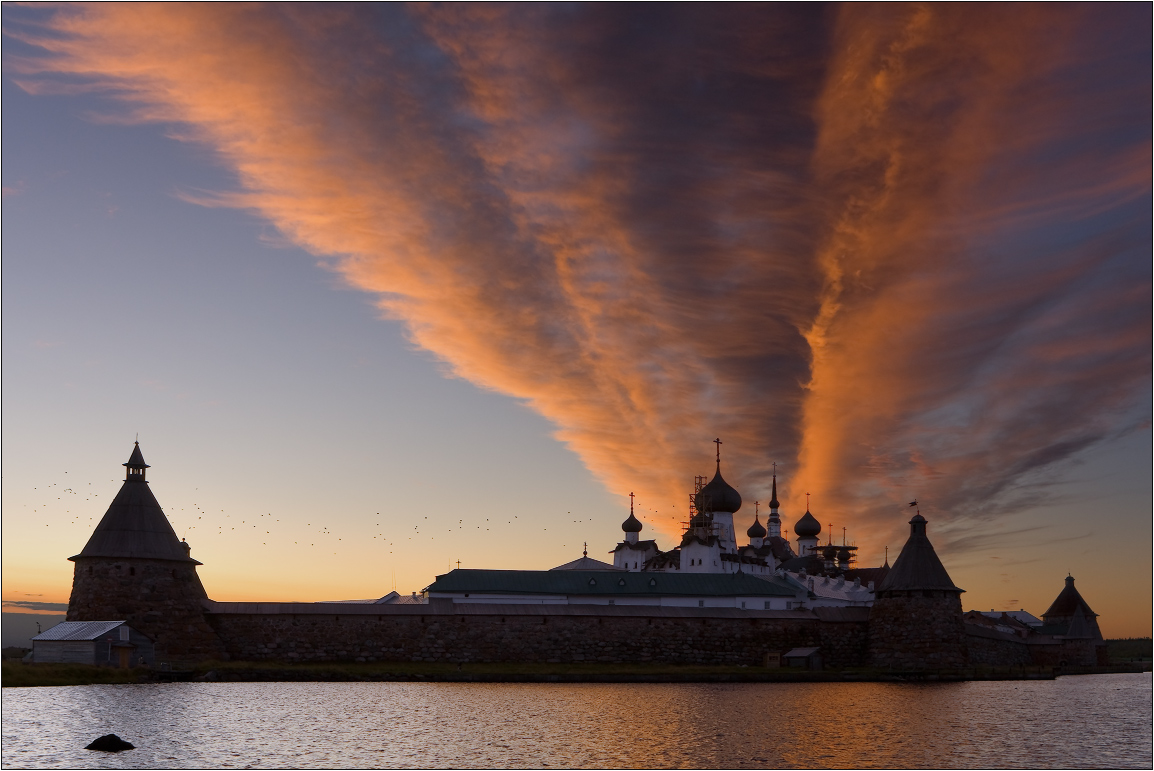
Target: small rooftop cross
[(718, 443), (807, 501), (631, 503), (585, 551), (755, 504), (458, 564)]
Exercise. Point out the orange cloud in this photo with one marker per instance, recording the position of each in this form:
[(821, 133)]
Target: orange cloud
[(827, 236)]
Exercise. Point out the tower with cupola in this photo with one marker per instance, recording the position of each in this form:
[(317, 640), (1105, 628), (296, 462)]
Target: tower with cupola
[(916, 619), (134, 568)]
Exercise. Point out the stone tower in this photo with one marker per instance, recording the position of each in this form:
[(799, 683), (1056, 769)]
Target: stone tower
[(135, 569), (1070, 618), (916, 619)]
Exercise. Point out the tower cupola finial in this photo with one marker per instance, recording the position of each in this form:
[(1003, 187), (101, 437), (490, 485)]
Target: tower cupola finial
[(135, 465)]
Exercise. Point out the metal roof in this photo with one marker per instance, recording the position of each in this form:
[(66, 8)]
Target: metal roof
[(136, 460), (801, 653), (585, 563), (918, 566), (135, 526), (1067, 603), (610, 583), (77, 630)]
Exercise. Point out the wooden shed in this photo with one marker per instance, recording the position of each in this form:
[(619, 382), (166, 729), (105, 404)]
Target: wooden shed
[(806, 658), (107, 643)]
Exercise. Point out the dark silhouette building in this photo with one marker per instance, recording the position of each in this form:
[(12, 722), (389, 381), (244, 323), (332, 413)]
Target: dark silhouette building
[(916, 619), (135, 569), (1070, 619)]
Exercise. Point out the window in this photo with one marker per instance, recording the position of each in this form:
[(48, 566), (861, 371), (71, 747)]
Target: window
[(613, 602), (788, 605), (132, 571), (743, 603), (701, 603), (768, 604), (123, 633)]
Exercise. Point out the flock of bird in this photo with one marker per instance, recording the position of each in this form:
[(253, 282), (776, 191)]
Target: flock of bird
[(223, 523)]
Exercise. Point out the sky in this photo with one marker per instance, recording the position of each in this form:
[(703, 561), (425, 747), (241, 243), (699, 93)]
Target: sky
[(381, 288)]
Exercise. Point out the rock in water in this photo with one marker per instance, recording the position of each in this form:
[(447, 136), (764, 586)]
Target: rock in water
[(110, 743)]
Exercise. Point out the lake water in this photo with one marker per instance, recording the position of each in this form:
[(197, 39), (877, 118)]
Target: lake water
[(1100, 721)]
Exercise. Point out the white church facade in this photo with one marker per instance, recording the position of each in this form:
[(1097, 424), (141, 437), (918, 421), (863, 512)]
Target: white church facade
[(708, 568)]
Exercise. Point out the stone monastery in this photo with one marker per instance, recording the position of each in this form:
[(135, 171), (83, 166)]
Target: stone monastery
[(707, 601)]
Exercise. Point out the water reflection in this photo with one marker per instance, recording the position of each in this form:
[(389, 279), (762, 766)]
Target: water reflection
[(1100, 721)]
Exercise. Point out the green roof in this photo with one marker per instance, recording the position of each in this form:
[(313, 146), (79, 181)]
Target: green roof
[(610, 583)]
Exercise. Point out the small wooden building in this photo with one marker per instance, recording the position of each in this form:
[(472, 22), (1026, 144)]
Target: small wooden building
[(805, 658), (107, 643)]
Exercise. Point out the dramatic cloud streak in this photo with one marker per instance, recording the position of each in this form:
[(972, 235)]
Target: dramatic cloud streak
[(897, 248)]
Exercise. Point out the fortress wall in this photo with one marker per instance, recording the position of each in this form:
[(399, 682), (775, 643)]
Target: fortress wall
[(160, 598), (917, 631), (533, 633), (988, 647)]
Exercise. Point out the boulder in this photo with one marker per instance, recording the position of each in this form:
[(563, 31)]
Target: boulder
[(110, 743)]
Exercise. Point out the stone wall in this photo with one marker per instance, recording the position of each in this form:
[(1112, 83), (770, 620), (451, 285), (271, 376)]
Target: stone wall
[(988, 647), (532, 633), (1057, 652), (161, 598), (917, 630)]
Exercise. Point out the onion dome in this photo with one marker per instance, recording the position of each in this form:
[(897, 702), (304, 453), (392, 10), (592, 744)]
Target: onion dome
[(718, 496), (844, 554), (807, 526), (631, 525), (756, 530), (829, 552)]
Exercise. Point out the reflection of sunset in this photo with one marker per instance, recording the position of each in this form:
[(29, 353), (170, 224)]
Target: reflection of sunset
[(894, 248)]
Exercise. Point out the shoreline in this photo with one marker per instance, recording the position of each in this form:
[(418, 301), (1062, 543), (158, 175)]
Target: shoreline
[(17, 674)]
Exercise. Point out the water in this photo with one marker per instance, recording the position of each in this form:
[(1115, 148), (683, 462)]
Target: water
[(1101, 721)]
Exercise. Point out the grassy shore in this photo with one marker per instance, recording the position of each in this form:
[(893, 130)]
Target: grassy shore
[(16, 674)]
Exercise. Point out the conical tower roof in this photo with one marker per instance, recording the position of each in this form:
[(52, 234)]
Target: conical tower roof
[(1067, 602), (918, 566), (134, 525)]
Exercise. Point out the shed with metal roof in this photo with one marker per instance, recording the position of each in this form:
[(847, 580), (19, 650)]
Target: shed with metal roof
[(107, 643)]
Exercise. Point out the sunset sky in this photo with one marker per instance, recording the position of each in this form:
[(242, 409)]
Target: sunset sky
[(382, 288)]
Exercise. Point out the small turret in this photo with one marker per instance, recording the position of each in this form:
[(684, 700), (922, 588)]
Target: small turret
[(807, 530), (135, 465), (756, 533), (631, 526)]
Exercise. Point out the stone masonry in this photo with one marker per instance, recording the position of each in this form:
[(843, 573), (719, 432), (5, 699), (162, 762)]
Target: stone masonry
[(917, 632), (161, 598), (534, 633)]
